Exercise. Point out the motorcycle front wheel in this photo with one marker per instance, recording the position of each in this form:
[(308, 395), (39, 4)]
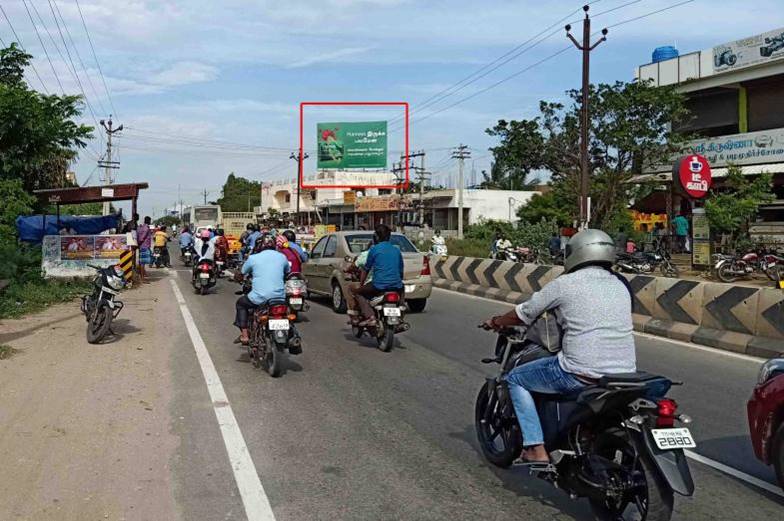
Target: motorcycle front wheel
[(499, 438), (651, 499), (99, 324), (669, 269)]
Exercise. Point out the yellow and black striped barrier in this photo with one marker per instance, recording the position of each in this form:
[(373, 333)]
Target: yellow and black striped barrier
[(126, 263)]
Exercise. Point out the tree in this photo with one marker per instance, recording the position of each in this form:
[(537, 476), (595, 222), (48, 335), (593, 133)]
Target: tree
[(550, 206), (239, 194), (731, 207), (38, 134), (519, 152), (170, 221), (14, 201)]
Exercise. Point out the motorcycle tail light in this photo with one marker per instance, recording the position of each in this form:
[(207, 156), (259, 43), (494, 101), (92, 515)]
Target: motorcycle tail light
[(279, 310), (425, 266), (667, 410), (392, 297), (204, 267)]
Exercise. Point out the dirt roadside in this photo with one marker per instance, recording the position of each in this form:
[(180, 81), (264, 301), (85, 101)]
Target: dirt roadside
[(85, 430)]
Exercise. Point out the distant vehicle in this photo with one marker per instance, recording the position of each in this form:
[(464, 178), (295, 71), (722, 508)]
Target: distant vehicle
[(724, 56), (202, 216), (766, 416), (772, 45), (326, 277)]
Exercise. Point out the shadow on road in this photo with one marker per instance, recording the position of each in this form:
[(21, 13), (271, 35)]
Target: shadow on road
[(120, 328), (8, 337)]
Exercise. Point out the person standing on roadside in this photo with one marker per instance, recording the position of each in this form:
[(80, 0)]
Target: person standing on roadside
[(681, 226), (144, 237)]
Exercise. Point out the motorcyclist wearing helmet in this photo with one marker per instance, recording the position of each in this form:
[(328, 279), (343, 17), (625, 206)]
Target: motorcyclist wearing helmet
[(292, 238), (594, 307), (268, 269), (204, 245)]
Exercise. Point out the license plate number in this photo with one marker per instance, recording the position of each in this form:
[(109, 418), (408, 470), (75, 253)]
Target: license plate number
[(204, 275), (279, 325), (391, 312), (668, 439), (296, 301), (410, 288)]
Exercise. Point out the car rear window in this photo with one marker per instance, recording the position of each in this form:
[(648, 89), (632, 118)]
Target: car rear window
[(357, 243)]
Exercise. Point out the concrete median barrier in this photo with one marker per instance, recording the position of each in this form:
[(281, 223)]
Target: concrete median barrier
[(733, 317)]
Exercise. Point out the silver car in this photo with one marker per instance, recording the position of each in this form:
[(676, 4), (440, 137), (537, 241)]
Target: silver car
[(324, 270)]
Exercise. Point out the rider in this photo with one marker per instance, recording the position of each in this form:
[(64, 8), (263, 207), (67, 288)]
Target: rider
[(221, 245), (502, 246), (268, 269), (186, 240), (437, 239), (253, 236), (292, 238), (594, 307), (204, 246), (385, 262), (160, 238), (284, 247)]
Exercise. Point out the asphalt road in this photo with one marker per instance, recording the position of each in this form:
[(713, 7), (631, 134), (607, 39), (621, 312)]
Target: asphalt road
[(350, 432)]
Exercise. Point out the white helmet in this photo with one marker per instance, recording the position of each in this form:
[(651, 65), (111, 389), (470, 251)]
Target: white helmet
[(589, 247)]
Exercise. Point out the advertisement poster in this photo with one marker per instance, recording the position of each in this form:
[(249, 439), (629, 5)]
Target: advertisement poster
[(352, 145), (109, 246), (75, 247), (749, 51)]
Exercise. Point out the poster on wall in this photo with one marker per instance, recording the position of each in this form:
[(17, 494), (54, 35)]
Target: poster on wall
[(109, 246), (74, 247), (352, 145), (749, 51)]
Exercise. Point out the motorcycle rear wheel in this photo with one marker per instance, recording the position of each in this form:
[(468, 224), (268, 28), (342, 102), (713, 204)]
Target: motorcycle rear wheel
[(490, 429), (725, 273), (272, 358), (99, 324), (386, 338), (654, 502)]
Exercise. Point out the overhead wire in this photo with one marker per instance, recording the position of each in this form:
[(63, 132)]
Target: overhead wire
[(199, 141), (21, 46), (95, 57), (46, 53)]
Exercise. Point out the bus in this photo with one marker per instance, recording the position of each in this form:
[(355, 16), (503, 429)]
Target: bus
[(202, 216)]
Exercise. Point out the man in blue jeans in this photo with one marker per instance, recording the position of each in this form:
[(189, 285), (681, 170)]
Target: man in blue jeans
[(594, 307), (385, 263)]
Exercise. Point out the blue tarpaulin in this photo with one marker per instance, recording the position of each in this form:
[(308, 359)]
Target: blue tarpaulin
[(32, 228)]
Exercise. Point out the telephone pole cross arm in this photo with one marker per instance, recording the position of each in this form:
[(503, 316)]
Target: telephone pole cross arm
[(586, 47)]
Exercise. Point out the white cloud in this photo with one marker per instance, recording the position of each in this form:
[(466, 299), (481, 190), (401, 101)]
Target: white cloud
[(328, 57), (184, 73)]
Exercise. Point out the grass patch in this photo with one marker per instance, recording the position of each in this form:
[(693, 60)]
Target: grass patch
[(21, 298), (7, 351), (468, 247)]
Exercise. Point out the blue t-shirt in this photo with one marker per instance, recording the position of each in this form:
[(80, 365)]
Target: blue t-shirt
[(252, 240), (385, 262), (681, 225), (303, 255), (268, 269), (186, 239)]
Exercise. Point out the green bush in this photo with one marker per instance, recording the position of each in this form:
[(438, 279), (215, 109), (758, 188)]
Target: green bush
[(468, 247), (535, 236)]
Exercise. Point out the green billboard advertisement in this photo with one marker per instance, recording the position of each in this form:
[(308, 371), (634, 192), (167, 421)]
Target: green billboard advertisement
[(352, 145)]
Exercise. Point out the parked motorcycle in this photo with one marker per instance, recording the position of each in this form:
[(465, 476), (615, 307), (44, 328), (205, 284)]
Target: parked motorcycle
[(204, 276), (646, 263), (296, 292), (506, 254), (439, 249), (100, 307), (390, 319), (730, 268), (614, 443)]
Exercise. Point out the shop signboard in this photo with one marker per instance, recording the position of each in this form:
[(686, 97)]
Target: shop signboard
[(352, 145), (693, 173), (748, 52), (700, 238), (350, 197), (751, 148), (377, 204)]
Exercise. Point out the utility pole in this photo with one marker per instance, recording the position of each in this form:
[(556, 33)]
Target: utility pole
[(421, 177), (397, 168), (108, 165), (586, 49), (461, 153), (295, 157), (204, 193)]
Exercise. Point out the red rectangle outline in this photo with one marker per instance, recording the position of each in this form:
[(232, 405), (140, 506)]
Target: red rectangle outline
[(403, 186)]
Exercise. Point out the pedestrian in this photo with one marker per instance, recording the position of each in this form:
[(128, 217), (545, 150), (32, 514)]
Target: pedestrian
[(144, 237), (681, 226)]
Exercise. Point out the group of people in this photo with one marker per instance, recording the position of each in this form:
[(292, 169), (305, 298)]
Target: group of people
[(142, 238)]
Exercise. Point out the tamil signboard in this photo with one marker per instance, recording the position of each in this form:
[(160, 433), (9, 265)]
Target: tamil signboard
[(378, 204), (352, 145), (751, 148), (694, 175), (749, 51)]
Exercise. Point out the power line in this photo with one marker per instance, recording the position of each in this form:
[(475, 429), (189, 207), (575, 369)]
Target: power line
[(19, 41), (200, 141), (673, 6), (95, 56), (41, 40)]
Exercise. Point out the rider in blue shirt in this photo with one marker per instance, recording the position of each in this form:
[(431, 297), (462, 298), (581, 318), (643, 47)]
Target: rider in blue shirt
[(385, 262), (186, 240)]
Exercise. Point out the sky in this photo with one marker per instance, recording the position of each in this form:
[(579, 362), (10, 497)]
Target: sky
[(205, 88)]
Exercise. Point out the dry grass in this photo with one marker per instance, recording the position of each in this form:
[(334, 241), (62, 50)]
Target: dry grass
[(7, 351)]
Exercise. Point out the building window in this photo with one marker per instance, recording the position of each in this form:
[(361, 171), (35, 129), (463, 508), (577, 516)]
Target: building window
[(288, 198), (384, 191), (765, 103), (712, 113)]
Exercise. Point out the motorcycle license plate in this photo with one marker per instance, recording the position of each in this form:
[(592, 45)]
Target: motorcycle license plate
[(668, 439), (391, 312), (781, 284), (295, 301), (278, 325), (204, 275), (410, 288)]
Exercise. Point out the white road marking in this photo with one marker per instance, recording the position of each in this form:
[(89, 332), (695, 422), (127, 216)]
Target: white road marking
[(751, 480), (254, 499)]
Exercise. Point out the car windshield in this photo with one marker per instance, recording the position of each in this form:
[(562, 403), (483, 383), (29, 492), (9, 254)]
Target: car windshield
[(359, 242)]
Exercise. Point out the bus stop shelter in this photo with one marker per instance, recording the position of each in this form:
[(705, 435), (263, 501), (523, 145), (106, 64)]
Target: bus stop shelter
[(91, 194)]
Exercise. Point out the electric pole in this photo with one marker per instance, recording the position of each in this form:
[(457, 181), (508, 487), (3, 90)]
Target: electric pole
[(461, 153), (586, 49), (204, 193), (295, 157), (108, 165)]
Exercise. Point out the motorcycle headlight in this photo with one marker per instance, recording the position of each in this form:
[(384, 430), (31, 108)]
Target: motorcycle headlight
[(115, 282), (769, 369)]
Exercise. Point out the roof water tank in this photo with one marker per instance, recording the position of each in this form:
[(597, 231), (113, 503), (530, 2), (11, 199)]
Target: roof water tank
[(666, 52)]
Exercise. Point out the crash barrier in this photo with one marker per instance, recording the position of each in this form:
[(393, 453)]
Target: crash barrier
[(126, 264), (737, 318)]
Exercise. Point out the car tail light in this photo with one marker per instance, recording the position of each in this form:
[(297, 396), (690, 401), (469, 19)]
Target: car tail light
[(279, 310), (667, 409), (392, 297), (425, 266)]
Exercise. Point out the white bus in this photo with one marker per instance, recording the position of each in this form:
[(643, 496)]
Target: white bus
[(202, 216)]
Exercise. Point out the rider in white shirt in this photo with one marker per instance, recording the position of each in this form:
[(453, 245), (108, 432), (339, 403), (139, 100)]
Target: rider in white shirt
[(204, 246)]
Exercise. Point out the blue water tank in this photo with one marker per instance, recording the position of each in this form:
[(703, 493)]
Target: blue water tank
[(666, 52)]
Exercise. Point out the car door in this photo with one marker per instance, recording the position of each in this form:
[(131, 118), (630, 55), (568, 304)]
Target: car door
[(330, 260), (313, 268)]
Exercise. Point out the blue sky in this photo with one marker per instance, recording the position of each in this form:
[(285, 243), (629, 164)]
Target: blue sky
[(184, 74)]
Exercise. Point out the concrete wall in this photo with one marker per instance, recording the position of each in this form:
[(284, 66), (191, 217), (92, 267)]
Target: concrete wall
[(726, 316)]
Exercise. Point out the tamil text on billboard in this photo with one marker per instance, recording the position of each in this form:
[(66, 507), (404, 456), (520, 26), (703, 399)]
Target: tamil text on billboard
[(352, 145), (751, 148), (749, 51)]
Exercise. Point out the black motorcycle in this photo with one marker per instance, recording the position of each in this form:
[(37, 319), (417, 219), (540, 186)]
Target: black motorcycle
[(641, 263), (157, 256), (187, 256), (204, 276), (614, 442), (100, 307)]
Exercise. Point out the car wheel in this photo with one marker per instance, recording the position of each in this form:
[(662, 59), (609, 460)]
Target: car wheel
[(338, 300), (777, 454), (416, 305)]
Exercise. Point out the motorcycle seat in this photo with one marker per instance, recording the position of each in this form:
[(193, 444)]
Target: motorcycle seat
[(638, 379)]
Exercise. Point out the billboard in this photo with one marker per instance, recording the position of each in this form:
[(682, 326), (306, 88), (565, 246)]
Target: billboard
[(749, 51), (352, 145), (751, 148), (87, 247)]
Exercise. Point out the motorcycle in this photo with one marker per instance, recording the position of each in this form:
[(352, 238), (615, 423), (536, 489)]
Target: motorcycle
[(506, 254), (100, 307), (439, 249), (646, 263), (157, 256), (187, 256), (730, 268), (614, 443), (296, 291), (204, 276)]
